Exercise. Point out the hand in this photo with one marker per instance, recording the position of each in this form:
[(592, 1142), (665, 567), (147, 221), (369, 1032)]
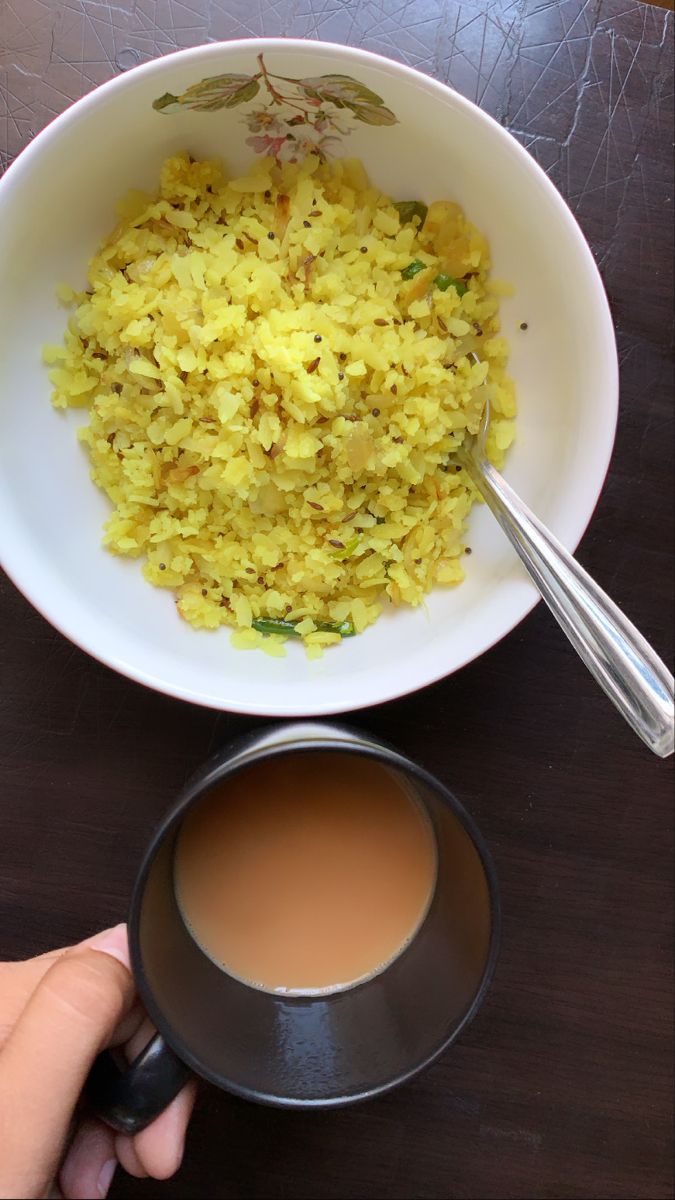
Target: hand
[(57, 1012)]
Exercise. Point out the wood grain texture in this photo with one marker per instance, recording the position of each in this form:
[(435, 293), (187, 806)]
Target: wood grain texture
[(563, 1085)]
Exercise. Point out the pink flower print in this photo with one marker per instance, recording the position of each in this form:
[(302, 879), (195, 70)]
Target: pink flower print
[(260, 120), (268, 145), (324, 147), (324, 122), (290, 150)]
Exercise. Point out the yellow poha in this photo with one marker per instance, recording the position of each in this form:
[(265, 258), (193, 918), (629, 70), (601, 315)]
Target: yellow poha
[(278, 369)]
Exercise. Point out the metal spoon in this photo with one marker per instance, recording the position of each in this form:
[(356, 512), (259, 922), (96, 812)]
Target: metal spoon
[(624, 664)]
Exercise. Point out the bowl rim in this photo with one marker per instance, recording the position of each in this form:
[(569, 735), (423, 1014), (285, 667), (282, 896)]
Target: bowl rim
[(10, 558)]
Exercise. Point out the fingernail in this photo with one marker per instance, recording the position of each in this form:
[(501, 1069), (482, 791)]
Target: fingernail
[(105, 1177), (114, 942)]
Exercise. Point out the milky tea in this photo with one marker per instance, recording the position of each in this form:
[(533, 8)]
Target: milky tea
[(307, 872)]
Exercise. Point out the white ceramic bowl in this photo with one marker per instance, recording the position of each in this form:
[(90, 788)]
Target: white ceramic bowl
[(57, 200)]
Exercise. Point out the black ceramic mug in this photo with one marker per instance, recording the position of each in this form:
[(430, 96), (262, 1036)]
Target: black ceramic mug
[(293, 1050)]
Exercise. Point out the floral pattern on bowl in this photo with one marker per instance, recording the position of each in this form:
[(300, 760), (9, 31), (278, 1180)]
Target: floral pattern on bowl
[(296, 117)]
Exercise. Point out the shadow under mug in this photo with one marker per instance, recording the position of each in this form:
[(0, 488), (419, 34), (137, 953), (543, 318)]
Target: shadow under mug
[(293, 1050)]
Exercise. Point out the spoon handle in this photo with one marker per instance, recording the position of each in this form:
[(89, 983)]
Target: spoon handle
[(636, 680)]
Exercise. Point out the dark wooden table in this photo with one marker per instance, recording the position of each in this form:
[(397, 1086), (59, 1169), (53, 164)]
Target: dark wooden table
[(562, 1086)]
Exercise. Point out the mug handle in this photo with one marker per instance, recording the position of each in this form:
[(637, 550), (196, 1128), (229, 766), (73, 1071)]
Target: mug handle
[(129, 1097)]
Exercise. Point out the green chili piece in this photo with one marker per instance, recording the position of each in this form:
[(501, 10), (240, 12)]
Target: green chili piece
[(443, 282), (407, 209), (344, 628), (413, 269), (270, 625)]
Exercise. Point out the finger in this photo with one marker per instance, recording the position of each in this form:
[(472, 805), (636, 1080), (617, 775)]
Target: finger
[(90, 1163), (126, 1153), (18, 981), (160, 1147), (69, 1018)]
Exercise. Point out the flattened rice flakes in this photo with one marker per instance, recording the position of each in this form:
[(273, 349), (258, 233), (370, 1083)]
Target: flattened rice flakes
[(277, 372)]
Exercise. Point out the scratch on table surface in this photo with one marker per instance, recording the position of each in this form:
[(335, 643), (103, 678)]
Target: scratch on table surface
[(581, 84), (527, 1136), (503, 55)]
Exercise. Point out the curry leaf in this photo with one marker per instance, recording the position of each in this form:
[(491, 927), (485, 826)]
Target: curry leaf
[(443, 282), (409, 209), (413, 269)]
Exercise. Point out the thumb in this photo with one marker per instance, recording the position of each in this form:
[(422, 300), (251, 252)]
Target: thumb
[(69, 1018)]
